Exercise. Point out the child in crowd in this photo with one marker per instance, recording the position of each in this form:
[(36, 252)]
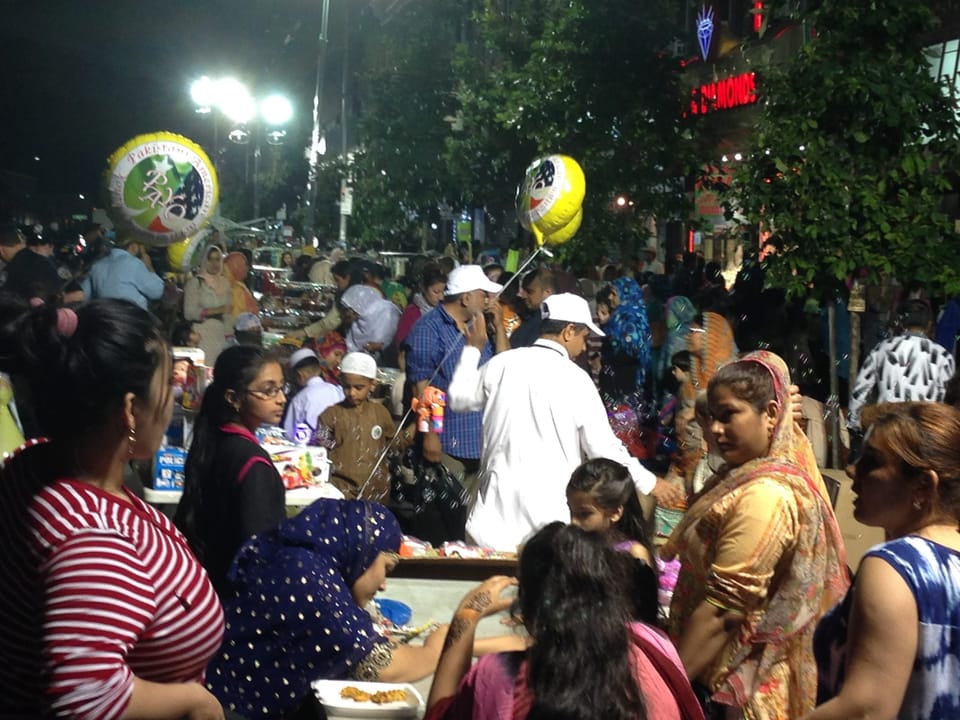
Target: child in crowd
[(185, 334), (247, 330), (357, 432), (231, 488), (315, 396), (331, 351), (681, 367), (602, 499)]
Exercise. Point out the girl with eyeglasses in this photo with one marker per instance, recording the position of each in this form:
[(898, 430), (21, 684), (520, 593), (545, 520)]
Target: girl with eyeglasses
[(231, 488)]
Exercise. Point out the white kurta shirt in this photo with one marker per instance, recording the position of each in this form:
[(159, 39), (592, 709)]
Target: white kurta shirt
[(542, 418)]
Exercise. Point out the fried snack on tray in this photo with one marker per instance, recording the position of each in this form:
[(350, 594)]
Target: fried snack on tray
[(380, 697)]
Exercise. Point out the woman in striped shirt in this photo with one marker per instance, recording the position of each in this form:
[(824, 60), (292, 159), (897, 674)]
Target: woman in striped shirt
[(106, 612)]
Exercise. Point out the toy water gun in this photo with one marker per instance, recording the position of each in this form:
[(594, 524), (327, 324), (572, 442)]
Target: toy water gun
[(429, 409)]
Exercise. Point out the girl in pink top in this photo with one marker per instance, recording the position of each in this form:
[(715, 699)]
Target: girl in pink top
[(586, 659)]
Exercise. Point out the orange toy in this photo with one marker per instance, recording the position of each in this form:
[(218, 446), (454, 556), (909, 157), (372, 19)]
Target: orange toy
[(429, 410)]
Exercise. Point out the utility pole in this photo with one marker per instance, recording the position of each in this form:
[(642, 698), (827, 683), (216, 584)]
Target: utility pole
[(345, 190), (314, 149)]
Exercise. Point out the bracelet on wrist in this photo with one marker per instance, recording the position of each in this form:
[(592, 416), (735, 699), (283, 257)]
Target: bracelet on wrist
[(467, 614)]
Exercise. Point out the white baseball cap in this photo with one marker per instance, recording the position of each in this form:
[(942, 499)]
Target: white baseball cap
[(570, 308), (359, 363), (467, 278)]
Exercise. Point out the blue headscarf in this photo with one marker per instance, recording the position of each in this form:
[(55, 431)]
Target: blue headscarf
[(628, 329), (680, 312), (291, 618)]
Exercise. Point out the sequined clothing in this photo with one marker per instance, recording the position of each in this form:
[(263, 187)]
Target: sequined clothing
[(292, 618)]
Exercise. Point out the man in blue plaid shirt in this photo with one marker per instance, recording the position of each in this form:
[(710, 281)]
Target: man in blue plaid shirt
[(434, 346)]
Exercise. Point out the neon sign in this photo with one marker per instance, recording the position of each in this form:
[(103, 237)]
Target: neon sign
[(705, 30), (724, 94), (757, 17)]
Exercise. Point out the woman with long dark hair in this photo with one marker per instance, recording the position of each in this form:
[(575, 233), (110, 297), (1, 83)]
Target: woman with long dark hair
[(586, 660), (231, 488), (107, 613)]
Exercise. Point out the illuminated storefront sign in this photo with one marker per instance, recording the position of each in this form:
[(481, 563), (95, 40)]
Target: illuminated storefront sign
[(724, 94), (705, 30), (757, 17)]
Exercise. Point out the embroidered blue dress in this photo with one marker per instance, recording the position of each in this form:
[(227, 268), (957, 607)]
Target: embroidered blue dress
[(932, 572)]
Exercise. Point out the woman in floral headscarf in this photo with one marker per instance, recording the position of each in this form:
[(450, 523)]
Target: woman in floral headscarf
[(627, 345), (296, 613), (761, 554)]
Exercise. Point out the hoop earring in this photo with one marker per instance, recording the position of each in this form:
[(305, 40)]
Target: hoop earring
[(131, 440)]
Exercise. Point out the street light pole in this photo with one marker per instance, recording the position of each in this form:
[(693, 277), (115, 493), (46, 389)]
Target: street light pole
[(314, 150), (256, 177), (344, 78)]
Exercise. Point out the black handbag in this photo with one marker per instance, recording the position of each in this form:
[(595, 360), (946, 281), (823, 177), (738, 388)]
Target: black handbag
[(427, 499), (711, 709)]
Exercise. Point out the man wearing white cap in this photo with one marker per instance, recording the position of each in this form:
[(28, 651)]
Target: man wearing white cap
[(433, 349), (542, 417), (315, 395)]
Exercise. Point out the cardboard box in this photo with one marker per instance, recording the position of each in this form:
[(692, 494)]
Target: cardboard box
[(168, 468), (293, 464)]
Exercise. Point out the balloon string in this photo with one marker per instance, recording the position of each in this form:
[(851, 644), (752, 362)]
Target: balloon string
[(406, 415)]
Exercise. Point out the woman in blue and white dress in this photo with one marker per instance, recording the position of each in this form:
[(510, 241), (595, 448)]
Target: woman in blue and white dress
[(892, 648)]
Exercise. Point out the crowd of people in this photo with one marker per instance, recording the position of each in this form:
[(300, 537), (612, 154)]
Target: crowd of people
[(567, 412)]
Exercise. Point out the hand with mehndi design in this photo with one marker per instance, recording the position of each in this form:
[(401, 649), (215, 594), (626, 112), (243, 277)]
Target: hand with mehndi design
[(486, 599), (483, 600)]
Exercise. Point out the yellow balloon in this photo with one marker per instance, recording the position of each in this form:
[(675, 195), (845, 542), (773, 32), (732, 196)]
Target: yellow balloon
[(551, 195), (183, 254), (175, 253), (566, 232)]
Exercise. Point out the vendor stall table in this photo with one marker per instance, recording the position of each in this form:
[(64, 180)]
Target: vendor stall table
[(299, 497), (454, 568)]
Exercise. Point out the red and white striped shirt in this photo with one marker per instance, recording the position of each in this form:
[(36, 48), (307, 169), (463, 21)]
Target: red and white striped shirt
[(107, 589)]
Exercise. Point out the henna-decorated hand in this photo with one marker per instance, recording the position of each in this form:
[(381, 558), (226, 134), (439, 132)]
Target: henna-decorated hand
[(485, 599)]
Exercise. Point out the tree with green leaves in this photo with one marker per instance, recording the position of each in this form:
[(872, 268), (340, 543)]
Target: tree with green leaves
[(400, 173), (583, 78), (855, 149)]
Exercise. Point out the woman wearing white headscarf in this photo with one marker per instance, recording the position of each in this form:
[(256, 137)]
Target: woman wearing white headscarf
[(207, 300), (373, 319)]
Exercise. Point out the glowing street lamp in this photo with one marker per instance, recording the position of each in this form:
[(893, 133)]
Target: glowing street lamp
[(231, 98)]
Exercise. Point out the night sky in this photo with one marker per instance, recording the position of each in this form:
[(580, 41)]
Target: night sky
[(81, 77)]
